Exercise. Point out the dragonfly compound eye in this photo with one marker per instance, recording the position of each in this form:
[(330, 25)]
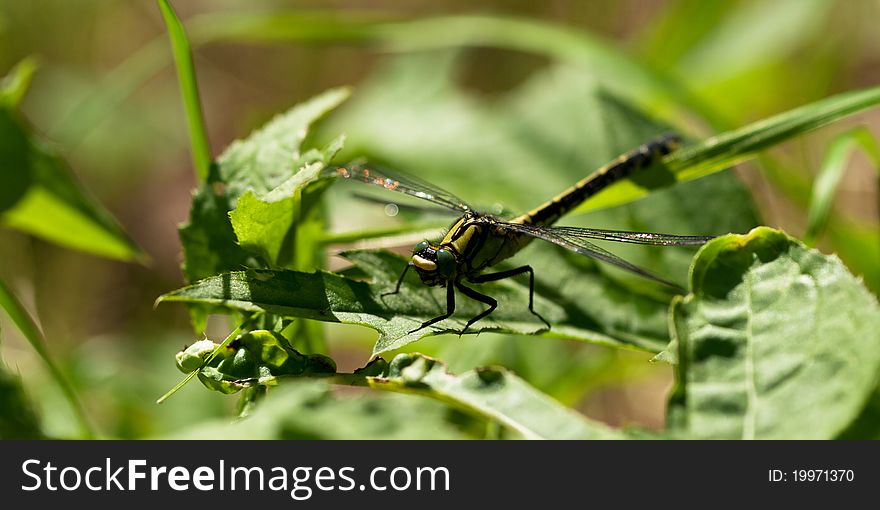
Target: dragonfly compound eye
[(445, 263), (420, 247)]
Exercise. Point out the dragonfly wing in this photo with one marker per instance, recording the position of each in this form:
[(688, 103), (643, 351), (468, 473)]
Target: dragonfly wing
[(420, 209), (621, 236), (582, 246), (401, 183)]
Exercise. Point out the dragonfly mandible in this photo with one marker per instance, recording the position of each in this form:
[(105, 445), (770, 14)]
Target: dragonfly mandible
[(479, 240)]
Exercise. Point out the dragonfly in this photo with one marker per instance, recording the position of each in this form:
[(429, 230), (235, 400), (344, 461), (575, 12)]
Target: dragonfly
[(478, 240)]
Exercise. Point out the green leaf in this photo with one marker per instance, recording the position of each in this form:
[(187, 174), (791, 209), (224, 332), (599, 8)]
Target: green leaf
[(264, 228), (209, 242), (334, 298), (493, 393), (774, 341), (15, 158), (40, 196), (264, 161), (186, 74), (308, 410), (271, 155), (266, 225)]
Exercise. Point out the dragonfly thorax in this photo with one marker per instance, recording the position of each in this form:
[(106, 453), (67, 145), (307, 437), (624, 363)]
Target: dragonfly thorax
[(434, 264)]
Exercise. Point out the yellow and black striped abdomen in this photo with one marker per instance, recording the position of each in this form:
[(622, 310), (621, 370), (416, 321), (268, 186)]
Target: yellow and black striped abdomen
[(624, 166)]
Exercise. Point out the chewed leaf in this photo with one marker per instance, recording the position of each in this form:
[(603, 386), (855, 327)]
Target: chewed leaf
[(775, 341), (307, 409), (493, 393), (330, 297), (334, 298)]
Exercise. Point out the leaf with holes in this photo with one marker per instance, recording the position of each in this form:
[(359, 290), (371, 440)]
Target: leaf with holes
[(493, 393), (307, 409), (335, 298)]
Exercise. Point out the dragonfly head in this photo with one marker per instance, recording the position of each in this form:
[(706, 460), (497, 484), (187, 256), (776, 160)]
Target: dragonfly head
[(434, 264)]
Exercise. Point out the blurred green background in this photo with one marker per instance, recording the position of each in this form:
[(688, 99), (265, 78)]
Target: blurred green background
[(729, 63)]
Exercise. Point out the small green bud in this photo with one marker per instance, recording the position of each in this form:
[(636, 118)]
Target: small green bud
[(193, 356)]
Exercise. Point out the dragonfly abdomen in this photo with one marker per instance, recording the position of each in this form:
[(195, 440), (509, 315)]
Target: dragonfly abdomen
[(624, 166)]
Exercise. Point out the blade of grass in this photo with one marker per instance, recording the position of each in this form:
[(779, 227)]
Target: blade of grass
[(25, 323), (732, 147), (831, 172), (186, 74)]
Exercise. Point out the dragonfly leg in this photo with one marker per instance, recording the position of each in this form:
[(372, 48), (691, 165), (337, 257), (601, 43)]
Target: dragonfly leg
[(471, 293), (494, 277), (450, 307), (399, 282)]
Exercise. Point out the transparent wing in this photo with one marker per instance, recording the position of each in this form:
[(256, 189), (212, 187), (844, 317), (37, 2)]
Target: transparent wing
[(620, 236), (396, 181), (419, 209), (564, 237)]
